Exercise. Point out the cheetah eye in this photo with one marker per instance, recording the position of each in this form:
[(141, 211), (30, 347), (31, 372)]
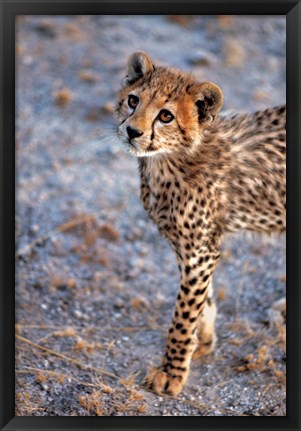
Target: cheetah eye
[(165, 116), (133, 101)]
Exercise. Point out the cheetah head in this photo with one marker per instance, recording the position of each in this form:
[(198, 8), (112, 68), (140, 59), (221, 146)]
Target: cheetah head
[(163, 110)]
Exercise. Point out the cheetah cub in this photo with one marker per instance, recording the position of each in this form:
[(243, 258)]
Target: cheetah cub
[(201, 175)]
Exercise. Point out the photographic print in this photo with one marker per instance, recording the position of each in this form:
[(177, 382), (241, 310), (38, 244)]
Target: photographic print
[(150, 215)]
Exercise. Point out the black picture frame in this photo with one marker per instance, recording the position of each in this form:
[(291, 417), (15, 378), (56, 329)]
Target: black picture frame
[(11, 8)]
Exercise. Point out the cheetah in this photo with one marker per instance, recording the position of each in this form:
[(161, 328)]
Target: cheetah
[(202, 175)]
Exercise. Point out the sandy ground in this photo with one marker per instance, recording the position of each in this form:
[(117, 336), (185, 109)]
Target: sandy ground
[(96, 284)]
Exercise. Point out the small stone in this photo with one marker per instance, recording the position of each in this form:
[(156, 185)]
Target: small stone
[(78, 314)]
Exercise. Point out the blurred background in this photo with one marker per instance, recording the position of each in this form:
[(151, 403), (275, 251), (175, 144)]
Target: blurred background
[(96, 284)]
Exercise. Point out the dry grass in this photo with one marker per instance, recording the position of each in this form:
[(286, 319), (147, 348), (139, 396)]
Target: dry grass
[(139, 303), (261, 361), (66, 329), (68, 332), (94, 114), (19, 49), (236, 341), (234, 52), (227, 255), (221, 294), (71, 283), (85, 346), (60, 377), (89, 230), (65, 227), (260, 95), (108, 108), (63, 97), (67, 358), (182, 20), (25, 404), (135, 395), (41, 377), (88, 76), (225, 22), (108, 232), (130, 380), (74, 33), (93, 403)]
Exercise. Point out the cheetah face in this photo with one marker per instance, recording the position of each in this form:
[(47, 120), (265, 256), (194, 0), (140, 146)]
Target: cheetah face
[(162, 110)]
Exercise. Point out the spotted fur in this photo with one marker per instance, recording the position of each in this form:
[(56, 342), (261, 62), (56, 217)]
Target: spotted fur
[(202, 174)]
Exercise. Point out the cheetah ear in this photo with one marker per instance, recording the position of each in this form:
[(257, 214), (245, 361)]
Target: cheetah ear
[(209, 101), (139, 64)]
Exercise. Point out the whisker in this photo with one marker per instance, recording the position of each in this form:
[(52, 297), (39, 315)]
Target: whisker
[(106, 138), (108, 122)]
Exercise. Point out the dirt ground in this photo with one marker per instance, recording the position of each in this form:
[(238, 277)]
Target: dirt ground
[(96, 284)]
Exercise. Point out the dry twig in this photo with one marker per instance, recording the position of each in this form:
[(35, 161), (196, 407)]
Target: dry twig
[(71, 224)]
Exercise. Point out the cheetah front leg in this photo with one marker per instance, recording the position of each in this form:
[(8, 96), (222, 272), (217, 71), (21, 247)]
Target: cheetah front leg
[(196, 273)]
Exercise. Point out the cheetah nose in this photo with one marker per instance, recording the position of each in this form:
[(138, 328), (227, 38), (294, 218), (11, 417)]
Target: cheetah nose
[(133, 133)]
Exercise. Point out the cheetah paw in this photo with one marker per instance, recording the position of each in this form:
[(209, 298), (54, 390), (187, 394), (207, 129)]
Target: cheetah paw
[(163, 383)]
